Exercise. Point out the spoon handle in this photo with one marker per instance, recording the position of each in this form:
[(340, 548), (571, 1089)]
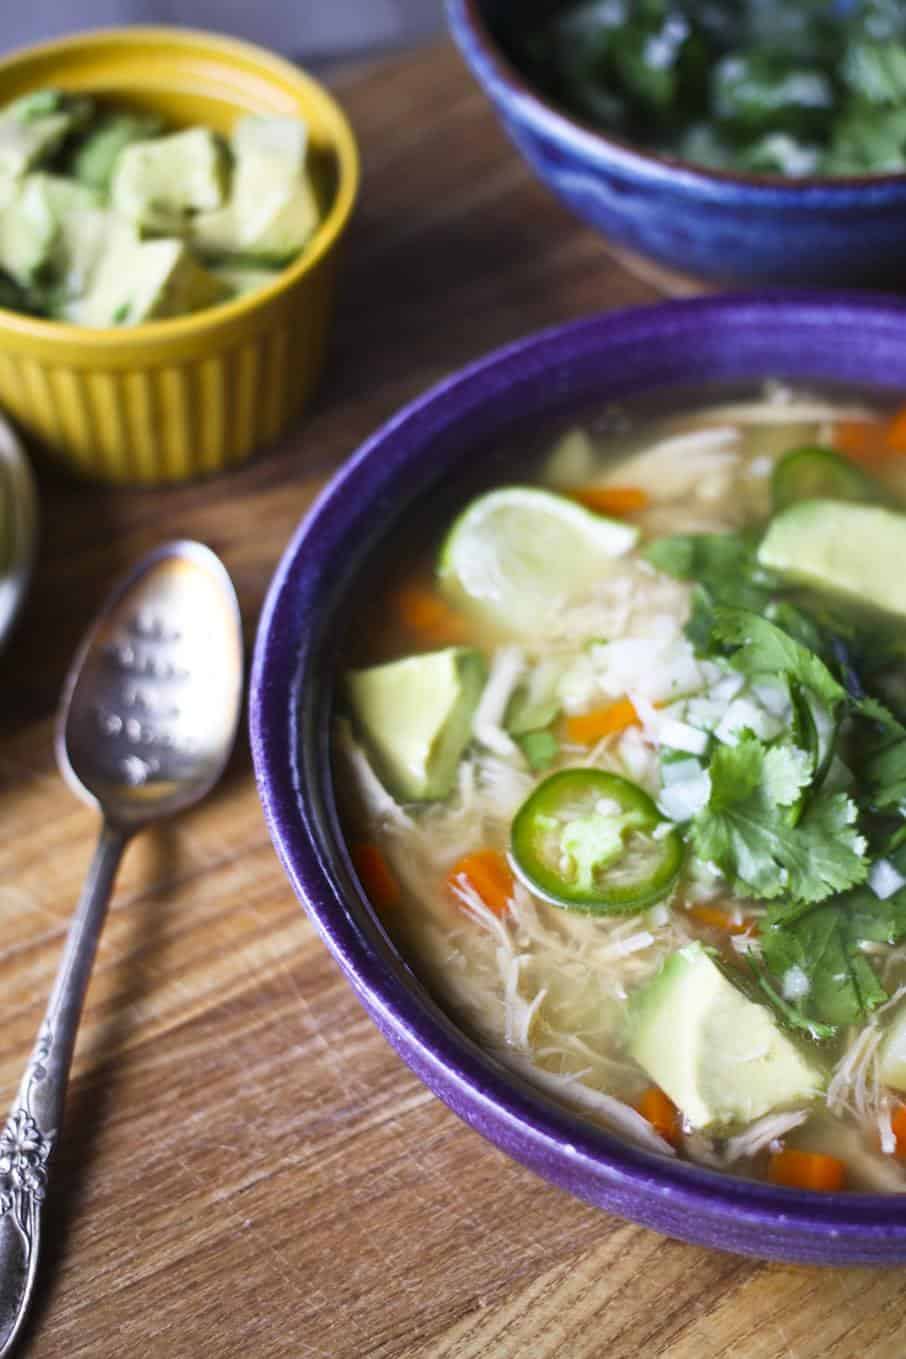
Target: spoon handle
[(28, 1140)]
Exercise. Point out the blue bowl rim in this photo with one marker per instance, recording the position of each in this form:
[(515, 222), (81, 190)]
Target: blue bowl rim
[(568, 1148), (489, 59)]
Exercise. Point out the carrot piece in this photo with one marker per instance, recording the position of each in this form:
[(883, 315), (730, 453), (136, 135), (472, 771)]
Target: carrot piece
[(378, 878), (898, 1124), (614, 500), (488, 874), (661, 1113), (586, 729), (861, 440), (719, 919), (425, 614), (806, 1170), (895, 434)]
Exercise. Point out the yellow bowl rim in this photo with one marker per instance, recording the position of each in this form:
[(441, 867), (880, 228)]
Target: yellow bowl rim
[(325, 237)]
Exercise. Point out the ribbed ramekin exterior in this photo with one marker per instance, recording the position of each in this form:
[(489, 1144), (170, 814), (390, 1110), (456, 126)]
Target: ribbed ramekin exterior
[(172, 416)]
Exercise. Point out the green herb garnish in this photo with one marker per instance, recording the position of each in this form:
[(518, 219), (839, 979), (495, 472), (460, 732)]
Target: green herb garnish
[(762, 85), (745, 829)]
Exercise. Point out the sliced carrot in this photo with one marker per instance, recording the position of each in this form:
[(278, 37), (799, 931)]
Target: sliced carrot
[(614, 500), (861, 440), (378, 878), (898, 1123), (719, 919), (895, 434), (806, 1170), (585, 729), (661, 1113), (488, 874), (426, 615)]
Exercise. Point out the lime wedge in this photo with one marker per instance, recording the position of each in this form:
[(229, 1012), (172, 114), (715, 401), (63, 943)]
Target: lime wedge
[(517, 556)]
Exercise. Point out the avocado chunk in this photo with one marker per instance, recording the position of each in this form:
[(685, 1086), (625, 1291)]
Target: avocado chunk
[(63, 195), (138, 280), (241, 279), (34, 127), (721, 1057), (273, 208), (853, 551), (93, 161), (76, 225), (159, 184), (41, 223), (82, 227), (82, 238), (892, 1053), (416, 716), (28, 232), (284, 141)]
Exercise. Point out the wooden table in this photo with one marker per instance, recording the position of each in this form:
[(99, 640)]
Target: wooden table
[(248, 1169)]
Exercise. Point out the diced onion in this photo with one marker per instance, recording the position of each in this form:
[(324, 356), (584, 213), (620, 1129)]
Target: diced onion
[(680, 736), (682, 801), (884, 879), (744, 714), (796, 984), (678, 771)]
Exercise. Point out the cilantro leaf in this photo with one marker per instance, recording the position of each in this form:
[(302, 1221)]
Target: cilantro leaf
[(726, 569), (883, 764), (873, 920), (699, 629), (823, 944), (726, 564), (745, 828), (797, 623), (884, 775), (762, 648), (786, 772), (874, 711), (791, 1012), (876, 70)]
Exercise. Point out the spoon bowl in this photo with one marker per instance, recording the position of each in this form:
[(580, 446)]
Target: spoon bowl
[(149, 712)]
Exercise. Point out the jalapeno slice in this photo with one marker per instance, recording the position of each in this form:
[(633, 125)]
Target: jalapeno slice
[(584, 839), (816, 473)]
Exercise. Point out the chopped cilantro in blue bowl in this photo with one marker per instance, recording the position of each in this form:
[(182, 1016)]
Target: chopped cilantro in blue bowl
[(756, 142)]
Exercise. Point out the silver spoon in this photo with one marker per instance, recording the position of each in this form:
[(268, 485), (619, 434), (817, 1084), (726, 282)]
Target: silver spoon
[(18, 527), (147, 722)]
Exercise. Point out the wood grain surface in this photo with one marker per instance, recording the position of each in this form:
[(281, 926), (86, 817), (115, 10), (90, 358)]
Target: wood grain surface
[(247, 1168)]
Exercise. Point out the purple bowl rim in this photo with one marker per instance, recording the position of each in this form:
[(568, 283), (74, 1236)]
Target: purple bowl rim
[(468, 14), (398, 1010)]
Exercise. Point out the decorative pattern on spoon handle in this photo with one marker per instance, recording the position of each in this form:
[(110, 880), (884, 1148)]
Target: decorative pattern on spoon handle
[(25, 1150), (29, 1135), (25, 1147)]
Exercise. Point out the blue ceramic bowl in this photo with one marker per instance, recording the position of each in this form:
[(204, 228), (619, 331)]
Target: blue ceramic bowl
[(717, 226), (421, 462)]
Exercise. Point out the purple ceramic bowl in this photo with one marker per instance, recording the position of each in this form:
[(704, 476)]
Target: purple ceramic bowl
[(426, 455)]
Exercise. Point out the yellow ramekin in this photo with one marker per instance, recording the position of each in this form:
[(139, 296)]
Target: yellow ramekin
[(181, 398)]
